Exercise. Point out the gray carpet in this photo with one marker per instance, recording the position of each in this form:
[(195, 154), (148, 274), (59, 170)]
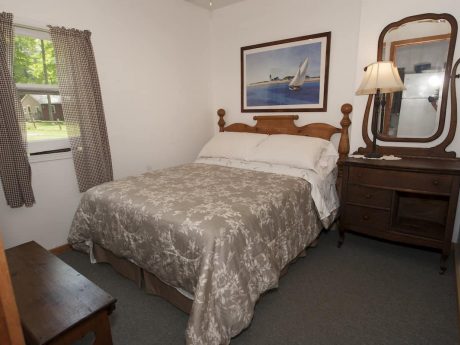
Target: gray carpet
[(367, 292)]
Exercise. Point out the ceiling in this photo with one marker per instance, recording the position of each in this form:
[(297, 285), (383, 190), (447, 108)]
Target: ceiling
[(215, 3)]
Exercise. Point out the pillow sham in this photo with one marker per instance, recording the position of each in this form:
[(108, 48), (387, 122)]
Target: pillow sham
[(233, 145), (297, 151)]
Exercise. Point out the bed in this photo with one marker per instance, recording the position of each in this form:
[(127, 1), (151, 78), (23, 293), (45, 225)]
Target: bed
[(212, 236)]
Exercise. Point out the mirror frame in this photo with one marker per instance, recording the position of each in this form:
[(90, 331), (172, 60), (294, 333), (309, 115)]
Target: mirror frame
[(442, 118)]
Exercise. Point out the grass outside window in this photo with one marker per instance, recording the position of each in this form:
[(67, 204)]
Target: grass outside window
[(46, 130)]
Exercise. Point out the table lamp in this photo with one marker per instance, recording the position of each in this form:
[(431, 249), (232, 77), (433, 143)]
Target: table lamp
[(380, 78)]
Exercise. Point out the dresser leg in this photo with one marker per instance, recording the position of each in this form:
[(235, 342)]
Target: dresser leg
[(443, 264)]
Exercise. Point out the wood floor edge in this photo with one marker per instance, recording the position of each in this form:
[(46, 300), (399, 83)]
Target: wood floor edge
[(457, 275), (61, 249)]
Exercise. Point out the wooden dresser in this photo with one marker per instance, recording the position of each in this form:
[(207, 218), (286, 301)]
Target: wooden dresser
[(411, 201)]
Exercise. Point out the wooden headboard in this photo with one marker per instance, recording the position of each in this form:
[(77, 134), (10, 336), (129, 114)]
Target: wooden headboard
[(284, 124)]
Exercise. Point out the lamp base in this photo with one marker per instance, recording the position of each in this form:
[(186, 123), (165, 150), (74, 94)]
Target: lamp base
[(373, 154)]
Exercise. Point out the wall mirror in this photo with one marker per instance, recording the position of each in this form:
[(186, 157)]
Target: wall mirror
[(422, 49)]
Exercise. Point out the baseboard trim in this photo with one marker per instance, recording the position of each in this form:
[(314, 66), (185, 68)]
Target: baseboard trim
[(61, 249), (457, 275)]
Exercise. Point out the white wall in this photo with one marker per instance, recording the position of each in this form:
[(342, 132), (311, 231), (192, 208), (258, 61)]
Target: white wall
[(257, 21), (355, 27), (153, 62), (157, 61)]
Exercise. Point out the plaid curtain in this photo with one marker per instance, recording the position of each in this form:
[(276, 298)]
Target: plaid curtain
[(82, 106), (15, 170)]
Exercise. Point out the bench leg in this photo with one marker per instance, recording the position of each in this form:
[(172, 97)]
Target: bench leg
[(102, 330)]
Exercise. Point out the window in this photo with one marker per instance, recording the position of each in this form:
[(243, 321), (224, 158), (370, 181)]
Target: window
[(34, 72)]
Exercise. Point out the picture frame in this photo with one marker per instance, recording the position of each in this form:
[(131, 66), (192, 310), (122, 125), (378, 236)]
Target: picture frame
[(286, 75)]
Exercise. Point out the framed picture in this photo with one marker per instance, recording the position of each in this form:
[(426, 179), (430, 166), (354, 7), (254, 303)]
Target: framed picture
[(287, 75)]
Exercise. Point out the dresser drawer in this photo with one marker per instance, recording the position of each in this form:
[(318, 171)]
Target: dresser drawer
[(401, 180), (369, 196), (366, 218)]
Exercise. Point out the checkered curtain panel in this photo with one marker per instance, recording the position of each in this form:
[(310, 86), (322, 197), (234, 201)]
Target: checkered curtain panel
[(15, 170), (82, 106)]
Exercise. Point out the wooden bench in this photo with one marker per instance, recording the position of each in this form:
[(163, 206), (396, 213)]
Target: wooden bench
[(57, 305)]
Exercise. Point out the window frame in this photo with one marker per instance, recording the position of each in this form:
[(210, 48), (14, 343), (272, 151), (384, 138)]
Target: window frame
[(36, 147)]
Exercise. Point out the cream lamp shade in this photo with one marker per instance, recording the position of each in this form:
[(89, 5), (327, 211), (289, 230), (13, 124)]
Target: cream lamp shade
[(381, 76)]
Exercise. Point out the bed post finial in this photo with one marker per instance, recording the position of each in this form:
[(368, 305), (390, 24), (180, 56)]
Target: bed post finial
[(221, 123), (344, 144)]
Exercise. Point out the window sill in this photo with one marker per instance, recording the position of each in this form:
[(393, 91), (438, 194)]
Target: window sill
[(50, 157)]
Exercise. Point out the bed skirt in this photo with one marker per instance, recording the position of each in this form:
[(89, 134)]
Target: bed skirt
[(142, 278), (151, 283)]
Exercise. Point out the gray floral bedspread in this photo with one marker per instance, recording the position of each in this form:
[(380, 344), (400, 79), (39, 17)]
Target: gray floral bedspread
[(222, 234)]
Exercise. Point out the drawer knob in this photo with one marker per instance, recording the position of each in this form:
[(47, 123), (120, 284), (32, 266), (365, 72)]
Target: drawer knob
[(436, 182), (368, 196), (365, 217)]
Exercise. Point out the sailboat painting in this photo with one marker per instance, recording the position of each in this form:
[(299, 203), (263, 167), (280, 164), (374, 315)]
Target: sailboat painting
[(299, 78), (287, 75)]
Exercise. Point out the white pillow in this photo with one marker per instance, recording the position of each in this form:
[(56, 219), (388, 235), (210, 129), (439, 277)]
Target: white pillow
[(297, 151), (232, 145)]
